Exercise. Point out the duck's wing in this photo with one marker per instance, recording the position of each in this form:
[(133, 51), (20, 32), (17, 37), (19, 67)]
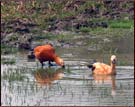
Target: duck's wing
[(48, 48), (101, 68)]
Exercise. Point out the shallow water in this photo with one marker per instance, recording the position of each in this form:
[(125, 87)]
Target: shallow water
[(26, 84), (71, 86)]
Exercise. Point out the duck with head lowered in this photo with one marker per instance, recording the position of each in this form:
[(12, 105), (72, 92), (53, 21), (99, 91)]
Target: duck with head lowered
[(47, 53)]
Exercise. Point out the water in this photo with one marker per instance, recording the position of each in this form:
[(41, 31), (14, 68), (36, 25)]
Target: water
[(71, 86), (26, 84)]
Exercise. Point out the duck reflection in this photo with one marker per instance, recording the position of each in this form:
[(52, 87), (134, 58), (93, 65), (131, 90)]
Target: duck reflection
[(48, 76), (106, 79)]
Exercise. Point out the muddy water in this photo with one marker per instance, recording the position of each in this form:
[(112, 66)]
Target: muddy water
[(26, 84)]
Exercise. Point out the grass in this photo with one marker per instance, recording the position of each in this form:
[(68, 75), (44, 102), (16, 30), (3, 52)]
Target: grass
[(48, 70), (51, 36), (14, 76), (123, 28), (85, 29), (45, 10), (5, 49), (125, 63), (8, 61), (117, 28), (43, 36), (65, 36), (68, 70), (125, 24)]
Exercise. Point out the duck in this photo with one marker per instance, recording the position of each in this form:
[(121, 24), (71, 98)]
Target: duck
[(47, 53), (99, 68)]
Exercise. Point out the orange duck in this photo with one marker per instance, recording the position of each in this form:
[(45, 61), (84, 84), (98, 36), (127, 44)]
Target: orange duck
[(47, 53), (104, 69)]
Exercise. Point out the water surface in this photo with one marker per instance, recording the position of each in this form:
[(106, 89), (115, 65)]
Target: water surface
[(26, 84)]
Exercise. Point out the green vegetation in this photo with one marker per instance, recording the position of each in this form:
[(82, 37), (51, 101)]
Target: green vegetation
[(5, 49), (8, 61), (85, 29), (108, 32), (48, 10), (45, 71), (50, 20), (14, 76), (125, 24), (124, 27), (51, 36)]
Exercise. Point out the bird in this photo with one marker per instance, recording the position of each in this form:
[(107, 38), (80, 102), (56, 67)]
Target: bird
[(47, 53), (99, 68)]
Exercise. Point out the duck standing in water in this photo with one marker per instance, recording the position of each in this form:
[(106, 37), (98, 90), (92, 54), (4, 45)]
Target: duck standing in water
[(47, 53), (104, 69)]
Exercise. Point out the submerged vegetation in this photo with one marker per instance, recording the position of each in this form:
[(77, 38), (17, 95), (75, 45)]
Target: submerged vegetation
[(14, 76)]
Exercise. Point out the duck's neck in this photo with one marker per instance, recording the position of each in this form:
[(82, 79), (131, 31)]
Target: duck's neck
[(113, 70), (56, 59)]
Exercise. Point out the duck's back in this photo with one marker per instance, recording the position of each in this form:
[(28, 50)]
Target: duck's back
[(45, 52), (101, 68)]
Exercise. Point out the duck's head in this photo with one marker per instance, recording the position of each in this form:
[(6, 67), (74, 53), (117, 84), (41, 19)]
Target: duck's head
[(113, 59), (59, 61)]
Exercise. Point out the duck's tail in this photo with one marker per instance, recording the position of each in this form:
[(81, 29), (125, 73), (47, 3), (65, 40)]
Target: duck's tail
[(91, 65), (31, 54)]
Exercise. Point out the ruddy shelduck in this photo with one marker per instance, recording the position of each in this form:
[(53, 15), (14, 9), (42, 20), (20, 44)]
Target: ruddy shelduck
[(104, 69), (47, 53)]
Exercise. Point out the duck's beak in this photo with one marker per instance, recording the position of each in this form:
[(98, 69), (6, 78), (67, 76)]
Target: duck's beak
[(114, 61), (63, 66)]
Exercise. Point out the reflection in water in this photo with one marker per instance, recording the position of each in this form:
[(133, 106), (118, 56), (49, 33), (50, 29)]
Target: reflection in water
[(48, 75), (106, 79), (70, 90), (76, 88)]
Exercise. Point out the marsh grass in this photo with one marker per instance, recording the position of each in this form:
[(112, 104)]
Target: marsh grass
[(45, 10), (14, 76), (8, 61), (17, 74), (108, 32), (41, 12), (5, 49), (51, 36), (125, 24), (119, 24)]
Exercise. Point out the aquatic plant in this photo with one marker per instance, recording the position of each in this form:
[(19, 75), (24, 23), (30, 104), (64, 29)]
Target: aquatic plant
[(8, 61), (14, 76)]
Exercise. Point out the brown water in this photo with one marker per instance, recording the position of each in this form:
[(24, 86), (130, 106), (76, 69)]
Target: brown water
[(26, 84)]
